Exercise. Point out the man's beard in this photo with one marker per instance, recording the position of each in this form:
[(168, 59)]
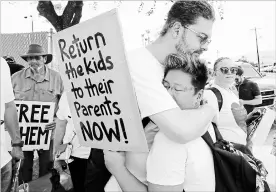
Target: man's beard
[(182, 47), (36, 67)]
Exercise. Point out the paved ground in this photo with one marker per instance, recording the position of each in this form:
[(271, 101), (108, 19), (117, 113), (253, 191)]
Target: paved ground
[(263, 153)]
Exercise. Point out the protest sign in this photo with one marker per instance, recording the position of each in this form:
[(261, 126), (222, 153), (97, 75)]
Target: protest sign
[(93, 66), (32, 118)]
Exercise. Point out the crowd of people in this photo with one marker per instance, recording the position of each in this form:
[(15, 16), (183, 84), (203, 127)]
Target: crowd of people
[(169, 80)]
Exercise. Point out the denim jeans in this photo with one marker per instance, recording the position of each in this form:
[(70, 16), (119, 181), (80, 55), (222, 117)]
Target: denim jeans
[(45, 164), (6, 177)]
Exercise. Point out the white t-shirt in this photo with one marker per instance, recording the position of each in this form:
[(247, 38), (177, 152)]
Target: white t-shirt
[(147, 75), (64, 113), (136, 162), (6, 97), (227, 125), (170, 163)]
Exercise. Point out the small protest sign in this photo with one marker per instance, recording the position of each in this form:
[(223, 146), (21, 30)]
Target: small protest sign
[(32, 118), (93, 66)]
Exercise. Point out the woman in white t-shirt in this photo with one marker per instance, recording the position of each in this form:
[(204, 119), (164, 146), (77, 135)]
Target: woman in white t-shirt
[(172, 166), (65, 134)]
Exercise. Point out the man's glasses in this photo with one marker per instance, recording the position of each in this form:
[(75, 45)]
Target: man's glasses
[(34, 57), (177, 89), (225, 70), (203, 37)]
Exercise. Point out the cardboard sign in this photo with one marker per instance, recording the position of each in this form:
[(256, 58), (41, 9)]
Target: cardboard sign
[(93, 66), (32, 118)]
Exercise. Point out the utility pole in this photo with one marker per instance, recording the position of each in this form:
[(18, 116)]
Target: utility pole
[(32, 22), (258, 57)]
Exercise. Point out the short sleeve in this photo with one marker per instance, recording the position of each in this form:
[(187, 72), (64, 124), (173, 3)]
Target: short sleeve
[(63, 110), (147, 75), (6, 85), (255, 89), (166, 162)]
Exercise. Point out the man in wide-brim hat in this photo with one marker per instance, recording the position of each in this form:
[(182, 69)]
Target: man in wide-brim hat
[(36, 50), (37, 83)]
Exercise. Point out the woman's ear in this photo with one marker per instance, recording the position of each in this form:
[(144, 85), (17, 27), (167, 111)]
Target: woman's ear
[(199, 95)]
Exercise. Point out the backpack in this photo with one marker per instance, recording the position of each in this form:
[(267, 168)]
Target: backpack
[(233, 173), (236, 169)]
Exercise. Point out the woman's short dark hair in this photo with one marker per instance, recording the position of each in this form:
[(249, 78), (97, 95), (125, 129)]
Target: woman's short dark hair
[(187, 12), (189, 64)]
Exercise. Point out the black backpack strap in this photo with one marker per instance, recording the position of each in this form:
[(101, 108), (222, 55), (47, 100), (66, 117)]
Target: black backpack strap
[(145, 121), (218, 134), (218, 95), (208, 139)]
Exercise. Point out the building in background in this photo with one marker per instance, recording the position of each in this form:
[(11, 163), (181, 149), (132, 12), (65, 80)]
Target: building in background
[(15, 44)]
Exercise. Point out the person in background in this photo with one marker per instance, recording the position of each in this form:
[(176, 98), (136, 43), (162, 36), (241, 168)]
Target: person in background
[(66, 134), (225, 71), (9, 121), (249, 91), (14, 67), (37, 83)]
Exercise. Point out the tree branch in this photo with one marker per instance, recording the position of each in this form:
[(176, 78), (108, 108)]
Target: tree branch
[(78, 13), (47, 10), (72, 8)]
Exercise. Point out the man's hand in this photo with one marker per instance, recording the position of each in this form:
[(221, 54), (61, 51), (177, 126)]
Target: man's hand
[(50, 126), (17, 153), (114, 161)]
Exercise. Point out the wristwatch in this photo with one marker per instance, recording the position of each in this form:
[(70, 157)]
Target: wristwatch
[(20, 144)]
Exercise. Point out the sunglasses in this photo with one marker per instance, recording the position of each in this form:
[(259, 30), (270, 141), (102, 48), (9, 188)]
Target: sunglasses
[(203, 37), (34, 57), (225, 70)]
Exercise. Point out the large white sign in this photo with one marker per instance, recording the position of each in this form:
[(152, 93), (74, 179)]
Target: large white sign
[(94, 69)]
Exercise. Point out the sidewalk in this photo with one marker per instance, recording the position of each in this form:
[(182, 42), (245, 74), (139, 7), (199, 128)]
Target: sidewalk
[(263, 153)]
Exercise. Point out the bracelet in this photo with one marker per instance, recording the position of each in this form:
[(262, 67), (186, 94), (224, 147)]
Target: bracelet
[(20, 144)]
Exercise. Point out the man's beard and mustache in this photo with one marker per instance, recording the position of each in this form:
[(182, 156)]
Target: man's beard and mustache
[(182, 47), (35, 66)]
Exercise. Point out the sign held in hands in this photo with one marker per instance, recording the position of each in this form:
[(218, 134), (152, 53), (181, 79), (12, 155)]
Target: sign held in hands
[(32, 118), (93, 66)]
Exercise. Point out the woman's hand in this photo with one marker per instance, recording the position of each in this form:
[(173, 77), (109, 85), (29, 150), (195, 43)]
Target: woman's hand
[(114, 161)]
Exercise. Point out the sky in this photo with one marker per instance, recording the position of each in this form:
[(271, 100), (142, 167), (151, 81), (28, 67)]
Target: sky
[(232, 36)]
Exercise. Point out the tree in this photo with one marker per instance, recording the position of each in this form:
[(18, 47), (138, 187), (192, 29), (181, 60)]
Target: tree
[(243, 59), (70, 16), (73, 12)]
